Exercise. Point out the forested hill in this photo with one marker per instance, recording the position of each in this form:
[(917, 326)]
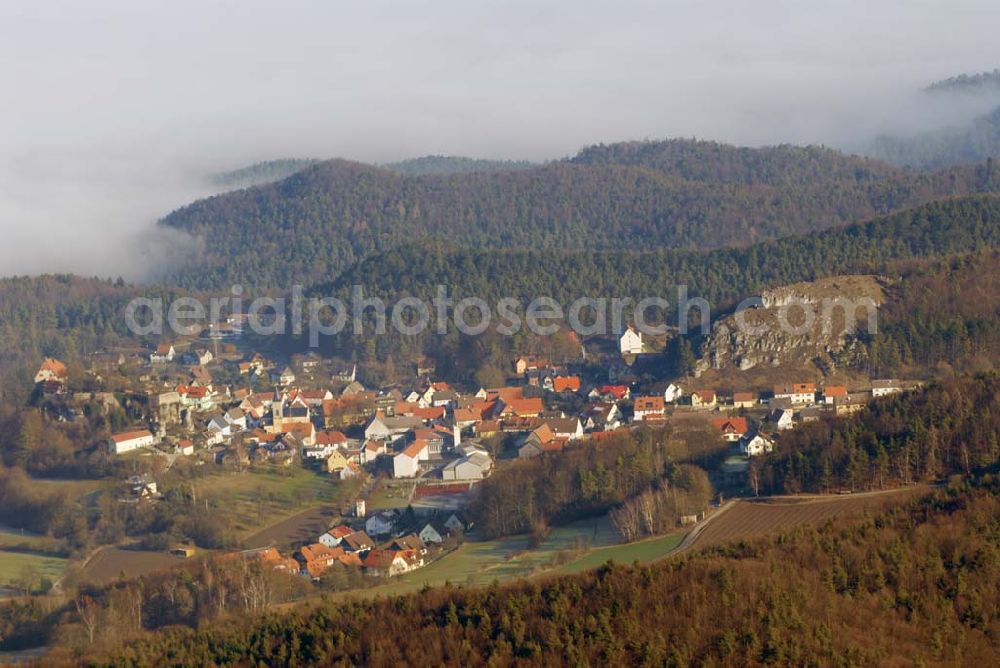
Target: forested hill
[(722, 276), (916, 584), (785, 166), (319, 221), (446, 164), (961, 141), (261, 172)]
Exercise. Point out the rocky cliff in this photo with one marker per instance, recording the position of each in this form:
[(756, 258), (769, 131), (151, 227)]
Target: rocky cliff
[(805, 324)]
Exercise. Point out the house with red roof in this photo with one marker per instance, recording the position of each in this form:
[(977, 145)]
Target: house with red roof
[(51, 370), (566, 384), (797, 393), (832, 392), (646, 409), (610, 393), (731, 428), (406, 464), (387, 563), (130, 440), (332, 536), (703, 399), (522, 408)]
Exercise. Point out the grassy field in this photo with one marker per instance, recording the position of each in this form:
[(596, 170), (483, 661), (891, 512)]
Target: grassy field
[(643, 552), (482, 562), (255, 499), (391, 495), (10, 537), (13, 565)]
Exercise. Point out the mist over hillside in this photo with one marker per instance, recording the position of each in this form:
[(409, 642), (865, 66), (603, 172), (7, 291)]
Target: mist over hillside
[(968, 132)]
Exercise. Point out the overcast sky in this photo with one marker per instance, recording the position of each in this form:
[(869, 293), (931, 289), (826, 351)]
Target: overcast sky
[(111, 110)]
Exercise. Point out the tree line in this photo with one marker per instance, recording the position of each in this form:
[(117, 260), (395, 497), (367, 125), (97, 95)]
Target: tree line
[(915, 581)]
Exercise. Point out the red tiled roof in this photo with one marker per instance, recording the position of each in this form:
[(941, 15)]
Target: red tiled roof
[(523, 407), (131, 435), (330, 438), (617, 391), (413, 449), (564, 383), (429, 413), (505, 393), (53, 366), (340, 531), (731, 425), (649, 404)]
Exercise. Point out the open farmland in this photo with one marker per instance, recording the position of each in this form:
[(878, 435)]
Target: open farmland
[(109, 563), (749, 519), (256, 500), (21, 565)]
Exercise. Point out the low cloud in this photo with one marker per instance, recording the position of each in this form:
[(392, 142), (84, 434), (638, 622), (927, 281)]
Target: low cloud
[(115, 111)]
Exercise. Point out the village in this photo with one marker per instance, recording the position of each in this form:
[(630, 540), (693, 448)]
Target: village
[(427, 442)]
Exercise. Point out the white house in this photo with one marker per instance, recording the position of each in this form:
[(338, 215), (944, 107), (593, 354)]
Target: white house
[(163, 354), (236, 419), (406, 464), (569, 428), (382, 428), (474, 466), (797, 393), (336, 534), (781, 418), (754, 444), (432, 534), (883, 388), (219, 425), (672, 393), (381, 524), (630, 342), (51, 369), (648, 408), (603, 417), (130, 440)]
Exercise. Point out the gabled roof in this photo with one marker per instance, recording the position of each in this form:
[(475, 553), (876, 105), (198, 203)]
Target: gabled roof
[(414, 449), (731, 425), (654, 403), (409, 542), (53, 366), (358, 540), (505, 393), (340, 531), (380, 559), (835, 391), (131, 435), (523, 407), (543, 433), (330, 438), (795, 388), (566, 383), (617, 391)]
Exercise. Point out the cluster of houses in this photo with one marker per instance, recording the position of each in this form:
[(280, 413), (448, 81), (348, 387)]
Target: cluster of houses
[(372, 549)]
